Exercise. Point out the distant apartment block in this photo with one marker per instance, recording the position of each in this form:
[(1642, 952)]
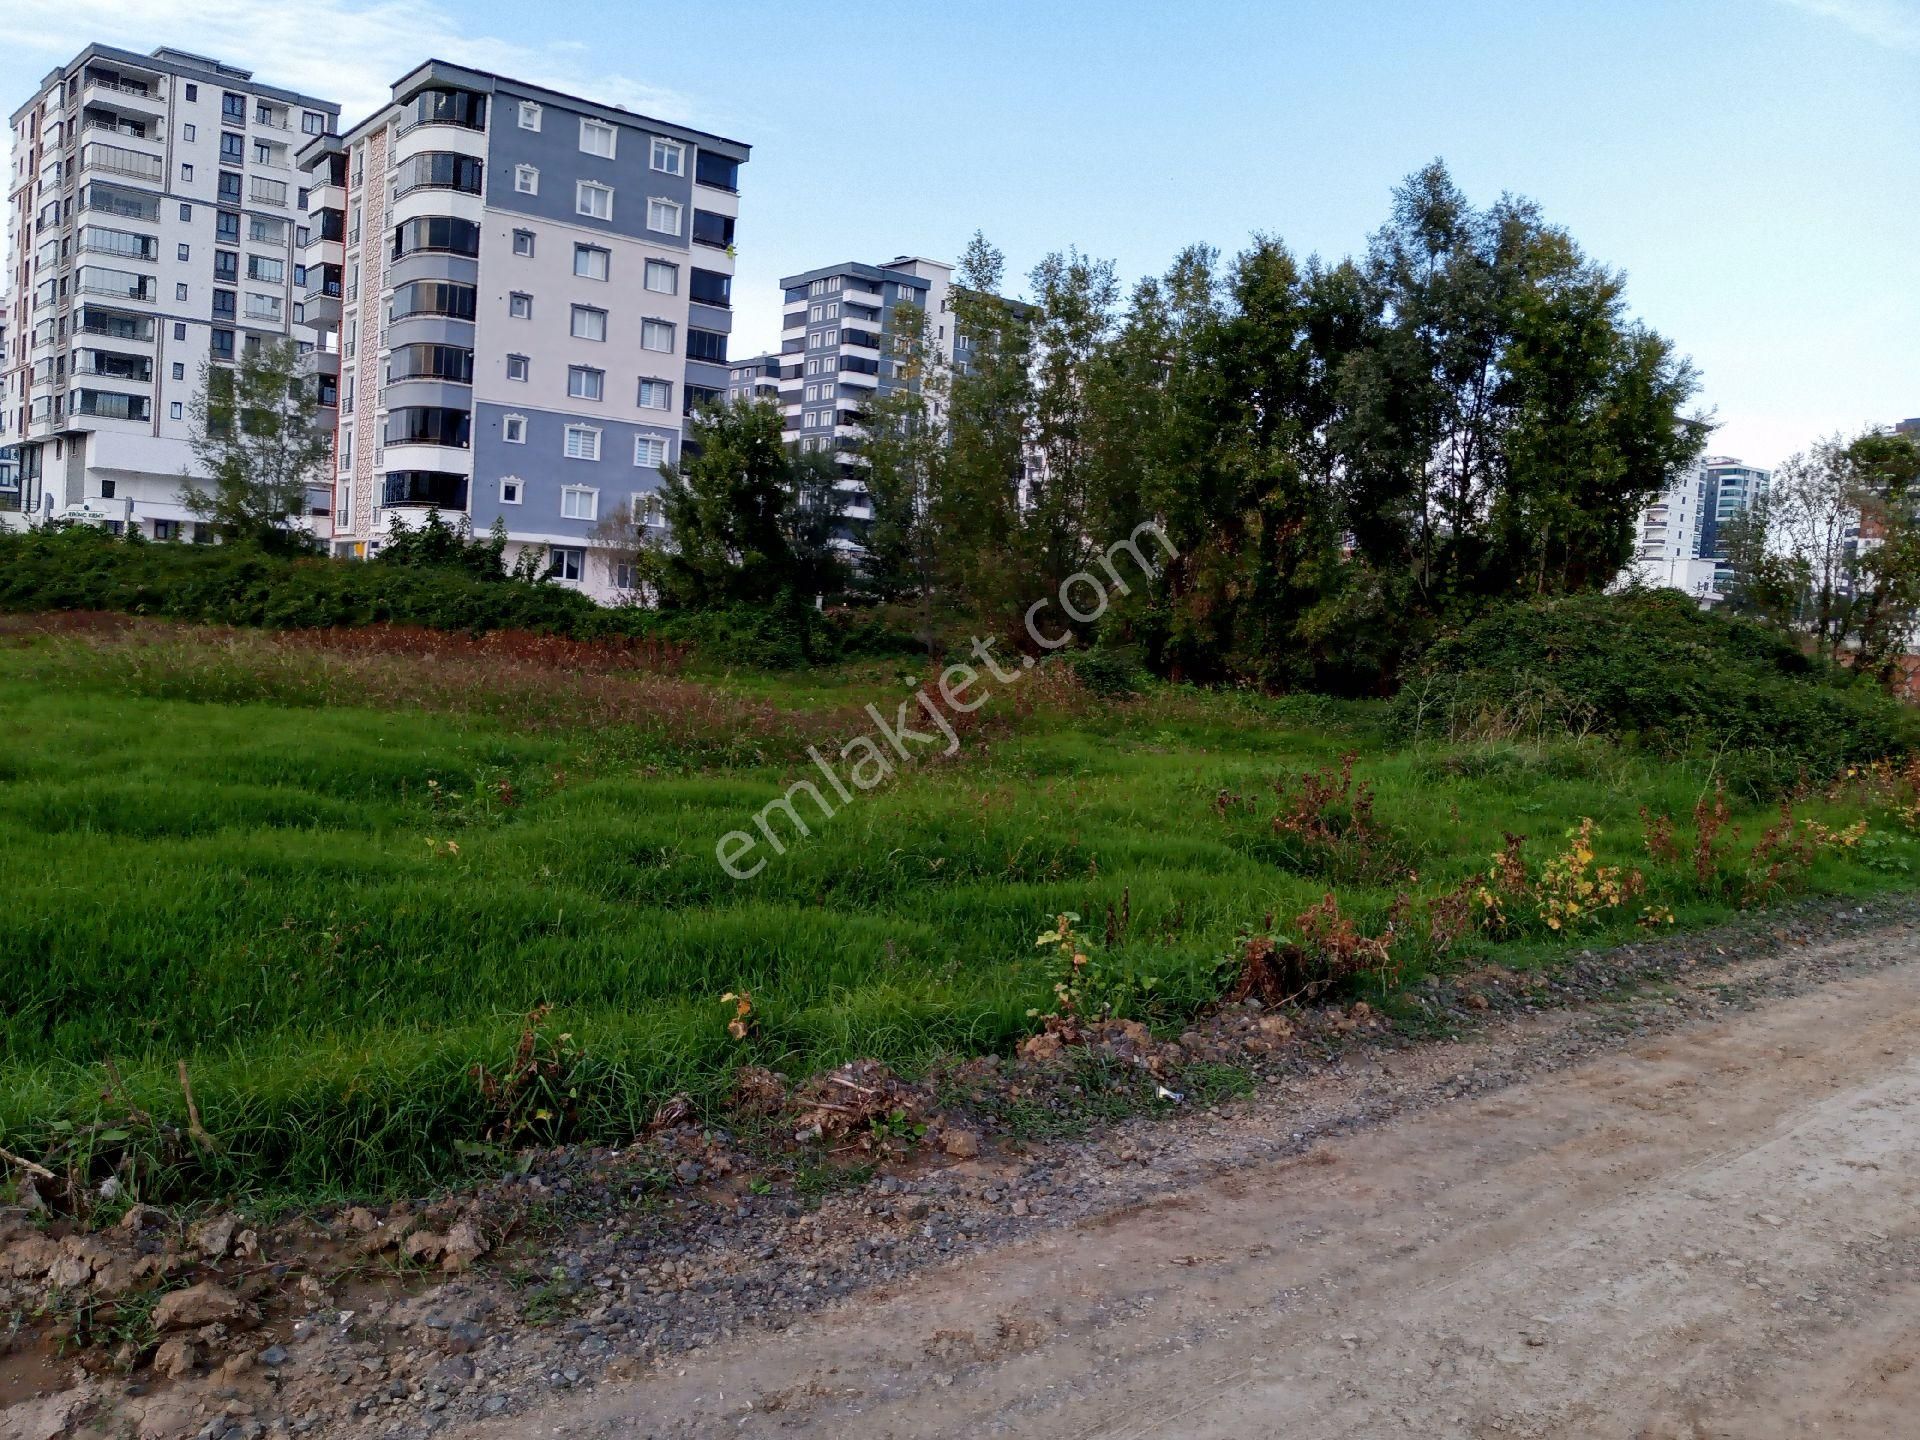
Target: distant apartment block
[(834, 355), (153, 205), (1680, 539), (522, 297), (755, 378)]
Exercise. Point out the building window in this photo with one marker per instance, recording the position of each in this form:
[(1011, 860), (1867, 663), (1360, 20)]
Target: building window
[(176, 411), (579, 502), (520, 305), (312, 122), (656, 335), (189, 133), (597, 138), (523, 243), (186, 212), (593, 200), (566, 564), (669, 156), (509, 490), (650, 451), (590, 262), (529, 115), (646, 507), (664, 216), (186, 174), (179, 330), (526, 179), (656, 395), (586, 383), (591, 324), (193, 93), (517, 367), (662, 278), (180, 292), (179, 370), (582, 443), (513, 429), (166, 529), (623, 575)]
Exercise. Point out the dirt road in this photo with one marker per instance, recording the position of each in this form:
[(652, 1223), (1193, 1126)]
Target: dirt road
[(1711, 1233)]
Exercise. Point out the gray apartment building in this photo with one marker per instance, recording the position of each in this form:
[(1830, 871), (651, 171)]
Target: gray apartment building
[(152, 215), (755, 378), (524, 296), (833, 353)]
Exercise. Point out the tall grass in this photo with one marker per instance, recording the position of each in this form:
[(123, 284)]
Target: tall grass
[(333, 879)]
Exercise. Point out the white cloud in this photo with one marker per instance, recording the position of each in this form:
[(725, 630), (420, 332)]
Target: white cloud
[(345, 50), (1892, 24)]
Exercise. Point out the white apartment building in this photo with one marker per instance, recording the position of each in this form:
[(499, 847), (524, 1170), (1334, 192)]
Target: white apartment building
[(1678, 541), (152, 215)]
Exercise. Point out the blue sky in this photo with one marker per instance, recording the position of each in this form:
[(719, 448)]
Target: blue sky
[(1751, 164)]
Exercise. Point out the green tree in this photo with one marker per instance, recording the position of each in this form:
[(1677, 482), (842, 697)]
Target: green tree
[(976, 513), (1885, 473), (741, 518), (449, 546), (902, 459), (257, 436), (1505, 421), (1070, 332)]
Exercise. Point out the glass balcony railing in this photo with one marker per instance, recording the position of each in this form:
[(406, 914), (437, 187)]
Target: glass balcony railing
[(119, 160)]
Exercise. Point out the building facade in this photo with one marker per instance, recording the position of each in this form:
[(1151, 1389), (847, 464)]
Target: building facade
[(1680, 539), (9, 450), (152, 215), (524, 295), (755, 378)]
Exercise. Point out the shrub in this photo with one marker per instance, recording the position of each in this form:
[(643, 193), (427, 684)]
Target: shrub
[(1652, 667), (1109, 673)]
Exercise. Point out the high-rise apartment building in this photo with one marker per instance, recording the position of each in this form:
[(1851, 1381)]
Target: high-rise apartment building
[(1680, 541), (755, 378), (152, 212), (834, 356), (524, 296), (833, 346), (9, 451)]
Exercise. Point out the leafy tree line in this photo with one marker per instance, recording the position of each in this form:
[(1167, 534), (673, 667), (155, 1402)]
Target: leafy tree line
[(1346, 456), (1831, 552)]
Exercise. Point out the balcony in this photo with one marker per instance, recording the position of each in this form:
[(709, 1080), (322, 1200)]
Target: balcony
[(317, 362), (438, 170), (122, 204), (121, 92), (118, 160), (109, 366), (92, 320), (119, 284), (462, 109), (111, 405), (111, 126), (95, 240)]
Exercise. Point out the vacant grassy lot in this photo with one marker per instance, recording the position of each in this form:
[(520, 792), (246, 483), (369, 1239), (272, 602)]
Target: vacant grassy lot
[(333, 877)]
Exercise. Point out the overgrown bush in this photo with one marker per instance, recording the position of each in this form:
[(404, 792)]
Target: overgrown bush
[(1110, 673), (1653, 668)]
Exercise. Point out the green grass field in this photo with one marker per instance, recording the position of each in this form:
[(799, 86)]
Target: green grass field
[(331, 882)]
